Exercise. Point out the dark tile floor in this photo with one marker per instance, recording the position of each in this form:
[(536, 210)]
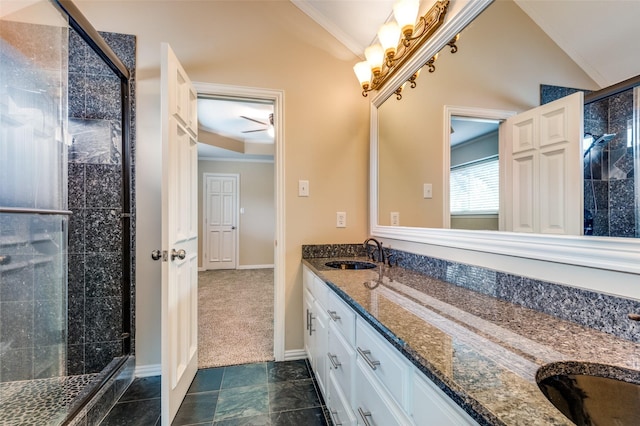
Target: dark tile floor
[(272, 393)]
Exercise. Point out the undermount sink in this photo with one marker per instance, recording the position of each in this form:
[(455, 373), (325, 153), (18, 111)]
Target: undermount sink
[(350, 264), (592, 394)]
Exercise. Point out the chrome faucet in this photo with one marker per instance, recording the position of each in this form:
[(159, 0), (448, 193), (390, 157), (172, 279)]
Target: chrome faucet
[(378, 247)]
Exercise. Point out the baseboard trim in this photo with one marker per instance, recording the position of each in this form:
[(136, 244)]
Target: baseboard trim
[(148, 370), (201, 269), (255, 266), (292, 355)]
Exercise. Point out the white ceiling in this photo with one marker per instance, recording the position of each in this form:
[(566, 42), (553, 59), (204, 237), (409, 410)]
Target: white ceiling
[(601, 36)]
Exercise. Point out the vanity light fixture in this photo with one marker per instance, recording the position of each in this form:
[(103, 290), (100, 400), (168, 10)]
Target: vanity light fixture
[(398, 40)]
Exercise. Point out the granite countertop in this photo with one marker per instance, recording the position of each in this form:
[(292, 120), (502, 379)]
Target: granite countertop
[(482, 351)]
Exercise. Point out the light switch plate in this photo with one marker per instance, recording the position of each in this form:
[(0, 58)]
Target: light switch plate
[(303, 188), (341, 219), (428, 190)]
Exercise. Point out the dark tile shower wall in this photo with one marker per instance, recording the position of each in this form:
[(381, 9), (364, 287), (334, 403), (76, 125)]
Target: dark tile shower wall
[(609, 188), (95, 179)]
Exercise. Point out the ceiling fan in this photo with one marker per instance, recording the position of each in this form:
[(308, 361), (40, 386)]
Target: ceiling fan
[(268, 125)]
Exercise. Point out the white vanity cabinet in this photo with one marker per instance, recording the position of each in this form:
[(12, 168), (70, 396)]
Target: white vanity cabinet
[(363, 378)]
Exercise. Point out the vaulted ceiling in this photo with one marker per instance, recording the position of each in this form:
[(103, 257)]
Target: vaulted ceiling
[(601, 36)]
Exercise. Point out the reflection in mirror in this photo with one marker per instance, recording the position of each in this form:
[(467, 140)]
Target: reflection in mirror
[(504, 62), (474, 191)]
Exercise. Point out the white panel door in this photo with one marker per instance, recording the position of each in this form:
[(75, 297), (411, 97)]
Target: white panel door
[(543, 168), (221, 213), (179, 317)]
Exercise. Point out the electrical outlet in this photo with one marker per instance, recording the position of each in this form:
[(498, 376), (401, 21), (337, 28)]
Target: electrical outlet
[(341, 219), (395, 218), (428, 190), (303, 188)]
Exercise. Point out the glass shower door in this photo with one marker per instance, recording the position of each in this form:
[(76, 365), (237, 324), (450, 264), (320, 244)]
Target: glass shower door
[(33, 214)]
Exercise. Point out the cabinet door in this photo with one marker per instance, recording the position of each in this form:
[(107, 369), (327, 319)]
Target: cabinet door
[(307, 311), (341, 357), (320, 336), (338, 404), (372, 403), (431, 406)]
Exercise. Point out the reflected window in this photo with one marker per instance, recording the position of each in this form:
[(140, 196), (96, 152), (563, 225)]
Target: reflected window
[(475, 187)]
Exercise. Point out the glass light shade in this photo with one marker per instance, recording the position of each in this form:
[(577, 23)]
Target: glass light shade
[(389, 35), (363, 72), (375, 57), (406, 12)]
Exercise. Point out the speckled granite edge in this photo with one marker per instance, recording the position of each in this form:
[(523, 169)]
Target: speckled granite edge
[(588, 308)]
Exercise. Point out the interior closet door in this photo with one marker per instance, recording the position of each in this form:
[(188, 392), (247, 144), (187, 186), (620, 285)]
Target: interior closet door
[(179, 234)]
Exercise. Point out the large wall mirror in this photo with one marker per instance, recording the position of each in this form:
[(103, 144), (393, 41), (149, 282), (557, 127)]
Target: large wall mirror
[(418, 148)]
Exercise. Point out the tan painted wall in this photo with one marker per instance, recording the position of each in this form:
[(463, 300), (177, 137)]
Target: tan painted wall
[(503, 58), (266, 44), (257, 197)]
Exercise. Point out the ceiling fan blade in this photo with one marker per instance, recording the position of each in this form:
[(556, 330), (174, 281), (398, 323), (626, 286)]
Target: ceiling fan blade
[(254, 120), (251, 131)]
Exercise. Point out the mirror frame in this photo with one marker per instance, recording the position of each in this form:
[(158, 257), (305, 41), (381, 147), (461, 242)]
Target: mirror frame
[(608, 253)]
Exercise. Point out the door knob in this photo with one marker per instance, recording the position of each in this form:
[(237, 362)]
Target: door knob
[(156, 254), (233, 227), (180, 254)]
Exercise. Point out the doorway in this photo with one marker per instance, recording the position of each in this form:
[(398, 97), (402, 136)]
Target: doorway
[(259, 199)]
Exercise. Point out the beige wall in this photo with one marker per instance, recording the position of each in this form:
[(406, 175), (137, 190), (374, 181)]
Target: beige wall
[(266, 44), (503, 58), (257, 198)]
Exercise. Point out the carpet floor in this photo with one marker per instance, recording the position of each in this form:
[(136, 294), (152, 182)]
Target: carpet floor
[(235, 317)]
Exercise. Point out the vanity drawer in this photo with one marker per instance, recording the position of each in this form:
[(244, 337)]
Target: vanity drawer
[(372, 403), (340, 358), (383, 361), (343, 317)]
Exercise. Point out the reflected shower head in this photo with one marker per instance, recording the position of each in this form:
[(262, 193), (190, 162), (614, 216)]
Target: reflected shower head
[(601, 142), (604, 139)]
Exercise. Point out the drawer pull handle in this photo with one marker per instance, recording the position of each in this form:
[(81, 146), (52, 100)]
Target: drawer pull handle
[(334, 360), (307, 320), (365, 354), (364, 415), (335, 418), (334, 315)]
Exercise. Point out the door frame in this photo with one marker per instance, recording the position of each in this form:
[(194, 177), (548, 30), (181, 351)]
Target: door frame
[(236, 214), (471, 112), (277, 97)]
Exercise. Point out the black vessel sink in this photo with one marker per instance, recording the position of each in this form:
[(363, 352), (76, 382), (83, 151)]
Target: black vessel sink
[(592, 394), (350, 264)]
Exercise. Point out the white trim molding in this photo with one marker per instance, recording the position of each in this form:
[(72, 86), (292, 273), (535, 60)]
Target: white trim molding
[(294, 354), (148, 370), (255, 266)]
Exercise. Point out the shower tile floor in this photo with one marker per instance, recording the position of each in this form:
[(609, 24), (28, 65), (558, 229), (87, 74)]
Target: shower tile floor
[(271, 393), (41, 401)]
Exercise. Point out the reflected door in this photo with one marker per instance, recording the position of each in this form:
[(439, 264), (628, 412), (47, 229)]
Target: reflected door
[(543, 168)]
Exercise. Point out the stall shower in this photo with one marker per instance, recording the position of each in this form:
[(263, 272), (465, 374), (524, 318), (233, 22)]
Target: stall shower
[(65, 221)]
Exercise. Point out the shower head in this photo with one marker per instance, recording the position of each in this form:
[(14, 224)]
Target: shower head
[(601, 142), (604, 139)]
